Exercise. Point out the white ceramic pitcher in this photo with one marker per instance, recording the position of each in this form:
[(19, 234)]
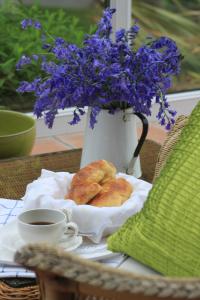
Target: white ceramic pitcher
[(114, 138)]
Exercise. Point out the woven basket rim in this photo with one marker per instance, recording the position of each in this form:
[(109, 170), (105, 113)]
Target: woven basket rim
[(77, 260)]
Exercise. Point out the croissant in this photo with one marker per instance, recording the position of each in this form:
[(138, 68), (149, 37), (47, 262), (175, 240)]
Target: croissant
[(98, 171), (114, 193), (86, 183), (83, 193)]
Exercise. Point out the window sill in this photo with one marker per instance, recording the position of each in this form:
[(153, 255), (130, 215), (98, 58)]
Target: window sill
[(183, 103)]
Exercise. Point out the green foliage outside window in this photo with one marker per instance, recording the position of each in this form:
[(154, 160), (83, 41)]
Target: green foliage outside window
[(178, 19), (15, 42)]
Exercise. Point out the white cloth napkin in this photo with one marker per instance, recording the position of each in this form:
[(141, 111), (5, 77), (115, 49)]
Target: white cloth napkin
[(49, 190), (9, 209)]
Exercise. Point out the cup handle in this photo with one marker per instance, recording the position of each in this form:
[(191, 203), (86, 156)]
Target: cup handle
[(145, 127), (68, 213), (71, 229)]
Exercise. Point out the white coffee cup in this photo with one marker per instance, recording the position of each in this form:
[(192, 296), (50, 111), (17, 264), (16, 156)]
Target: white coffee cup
[(45, 225)]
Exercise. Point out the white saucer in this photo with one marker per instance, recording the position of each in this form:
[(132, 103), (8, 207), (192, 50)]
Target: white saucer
[(10, 242), (93, 251)]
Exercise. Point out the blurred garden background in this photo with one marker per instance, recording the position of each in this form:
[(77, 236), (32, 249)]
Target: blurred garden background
[(178, 19)]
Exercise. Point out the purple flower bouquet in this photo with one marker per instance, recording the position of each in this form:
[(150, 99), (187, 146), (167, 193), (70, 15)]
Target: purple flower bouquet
[(103, 73)]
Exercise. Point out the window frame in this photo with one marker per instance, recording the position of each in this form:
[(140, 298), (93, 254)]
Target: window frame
[(182, 102)]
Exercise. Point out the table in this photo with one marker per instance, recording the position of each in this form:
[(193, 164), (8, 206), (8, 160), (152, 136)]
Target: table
[(16, 173)]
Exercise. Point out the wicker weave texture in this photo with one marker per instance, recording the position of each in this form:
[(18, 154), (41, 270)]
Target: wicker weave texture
[(148, 158), (27, 293), (47, 260), (169, 144), (165, 234), (15, 174)]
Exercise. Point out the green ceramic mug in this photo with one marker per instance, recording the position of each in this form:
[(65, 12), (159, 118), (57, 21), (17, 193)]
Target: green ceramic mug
[(17, 134)]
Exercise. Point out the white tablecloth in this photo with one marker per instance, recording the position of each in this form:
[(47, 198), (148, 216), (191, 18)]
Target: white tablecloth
[(9, 209)]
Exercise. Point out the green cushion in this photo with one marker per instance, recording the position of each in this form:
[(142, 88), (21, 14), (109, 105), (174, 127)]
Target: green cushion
[(165, 235)]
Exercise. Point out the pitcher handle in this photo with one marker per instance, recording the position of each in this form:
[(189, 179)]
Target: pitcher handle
[(145, 127)]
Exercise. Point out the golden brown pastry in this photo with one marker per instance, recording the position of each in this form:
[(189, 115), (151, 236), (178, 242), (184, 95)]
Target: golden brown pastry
[(83, 193), (98, 171), (87, 182), (114, 193)]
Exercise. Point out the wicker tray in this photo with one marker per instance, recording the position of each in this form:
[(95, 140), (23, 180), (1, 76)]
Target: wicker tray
[(16, 173)]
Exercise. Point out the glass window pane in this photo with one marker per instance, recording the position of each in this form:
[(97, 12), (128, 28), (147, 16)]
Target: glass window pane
[(70, 19), (180, 20)]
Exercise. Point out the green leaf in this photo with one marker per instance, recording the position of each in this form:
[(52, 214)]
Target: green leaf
[(7, 66), (2, 82)]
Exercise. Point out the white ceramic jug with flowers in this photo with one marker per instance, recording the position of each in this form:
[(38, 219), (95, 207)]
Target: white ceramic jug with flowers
[(107, 75), (114, 138)]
